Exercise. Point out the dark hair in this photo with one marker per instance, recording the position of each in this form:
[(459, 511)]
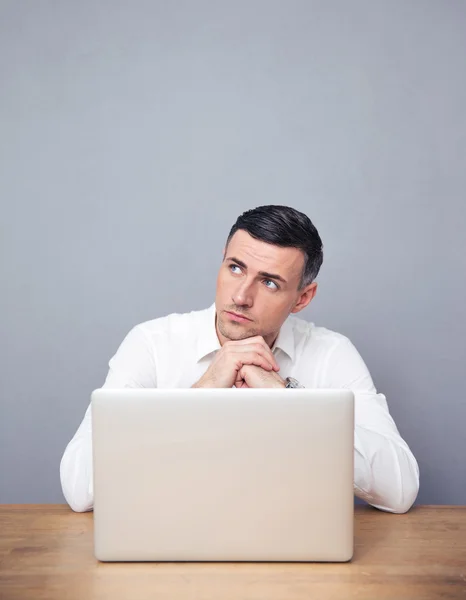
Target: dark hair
[(286, 227)]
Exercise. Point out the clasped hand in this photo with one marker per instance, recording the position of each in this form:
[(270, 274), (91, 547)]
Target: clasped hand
[(243, 363)]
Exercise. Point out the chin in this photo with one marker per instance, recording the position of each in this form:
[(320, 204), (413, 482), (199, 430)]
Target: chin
[(234, 333), (236, 338)]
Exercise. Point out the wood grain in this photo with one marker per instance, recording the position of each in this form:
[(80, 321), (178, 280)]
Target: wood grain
[(46, 552)]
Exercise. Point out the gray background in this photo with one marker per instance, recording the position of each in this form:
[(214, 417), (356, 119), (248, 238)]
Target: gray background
[(134, 133)]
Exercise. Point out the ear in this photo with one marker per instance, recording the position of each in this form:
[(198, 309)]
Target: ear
[(305, 297)]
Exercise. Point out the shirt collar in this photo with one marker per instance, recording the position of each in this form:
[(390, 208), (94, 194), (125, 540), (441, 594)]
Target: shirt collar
[(285, 339), (208, 341)]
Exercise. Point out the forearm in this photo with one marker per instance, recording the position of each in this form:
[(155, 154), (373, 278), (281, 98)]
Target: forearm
[(386, 474)]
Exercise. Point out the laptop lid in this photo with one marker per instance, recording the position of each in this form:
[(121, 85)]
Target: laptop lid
[(223, 474)]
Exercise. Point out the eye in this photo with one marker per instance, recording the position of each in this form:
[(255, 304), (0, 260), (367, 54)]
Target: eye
[(234, 267), (272, 282)]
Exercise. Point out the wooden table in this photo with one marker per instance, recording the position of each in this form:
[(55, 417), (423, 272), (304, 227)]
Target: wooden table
[(46, 552)]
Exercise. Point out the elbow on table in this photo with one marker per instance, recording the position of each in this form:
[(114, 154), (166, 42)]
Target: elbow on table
[(79, 503), (403, 505), (401, 502), (77, 494)]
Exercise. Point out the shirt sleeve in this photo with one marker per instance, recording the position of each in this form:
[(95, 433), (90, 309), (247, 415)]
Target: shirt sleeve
[(133, 366), (386, 474)]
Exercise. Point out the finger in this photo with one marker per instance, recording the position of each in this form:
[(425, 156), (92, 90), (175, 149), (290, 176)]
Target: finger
[(268, 356), (253, 358), (259, 346), (268, 353), (249, 340), (239, 383), (256, 339), (258, 351), (260, 340)]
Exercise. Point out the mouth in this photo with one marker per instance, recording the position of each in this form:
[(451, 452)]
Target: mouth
[(238, 318)]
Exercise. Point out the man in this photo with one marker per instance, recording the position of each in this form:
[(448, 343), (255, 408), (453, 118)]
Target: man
[(248, 338)]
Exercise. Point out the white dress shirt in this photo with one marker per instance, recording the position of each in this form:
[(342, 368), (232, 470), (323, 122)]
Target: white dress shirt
[(175, 351)]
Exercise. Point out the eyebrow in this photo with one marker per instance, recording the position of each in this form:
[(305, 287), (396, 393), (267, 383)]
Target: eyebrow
[(261, 273)]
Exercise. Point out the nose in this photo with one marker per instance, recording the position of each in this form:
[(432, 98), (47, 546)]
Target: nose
[(242, 296)]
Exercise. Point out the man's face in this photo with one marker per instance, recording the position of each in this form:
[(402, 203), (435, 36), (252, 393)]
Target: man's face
[(260, 281)]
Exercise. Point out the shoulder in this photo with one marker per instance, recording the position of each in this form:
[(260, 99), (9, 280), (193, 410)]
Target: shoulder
[(172, 325), (308, 334), (335, 359)]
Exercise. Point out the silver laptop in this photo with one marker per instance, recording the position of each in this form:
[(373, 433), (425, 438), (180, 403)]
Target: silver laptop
[(223, 474)]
